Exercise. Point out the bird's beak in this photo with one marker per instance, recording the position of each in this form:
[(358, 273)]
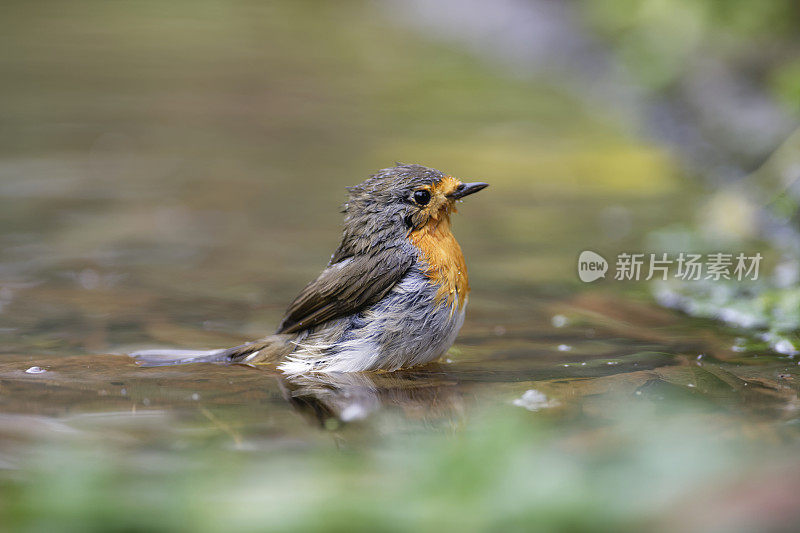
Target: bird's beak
[(465, 189)]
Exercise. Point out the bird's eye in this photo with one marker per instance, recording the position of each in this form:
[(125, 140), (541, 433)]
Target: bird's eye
[(422, 197)]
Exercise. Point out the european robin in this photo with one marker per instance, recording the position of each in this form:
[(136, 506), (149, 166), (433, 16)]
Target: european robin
[(393, 295)]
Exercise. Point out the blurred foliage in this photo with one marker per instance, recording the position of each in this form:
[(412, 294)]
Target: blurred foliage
[(773, 312), (761, 213), (667, 43), (506, 470), (659, 40), (786, 84)]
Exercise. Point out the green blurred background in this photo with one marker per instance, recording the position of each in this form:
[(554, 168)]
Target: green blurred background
[(171, 175)]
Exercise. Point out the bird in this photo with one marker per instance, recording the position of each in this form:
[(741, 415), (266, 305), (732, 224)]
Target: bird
[(393, 295)]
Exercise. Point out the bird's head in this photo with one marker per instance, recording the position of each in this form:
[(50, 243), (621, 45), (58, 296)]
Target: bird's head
[(406, 197)]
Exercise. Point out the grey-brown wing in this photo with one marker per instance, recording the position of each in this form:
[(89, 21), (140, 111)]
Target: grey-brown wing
[(345, 288)]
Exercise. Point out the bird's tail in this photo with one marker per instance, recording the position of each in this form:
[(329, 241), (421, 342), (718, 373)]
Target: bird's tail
[(263, 351)]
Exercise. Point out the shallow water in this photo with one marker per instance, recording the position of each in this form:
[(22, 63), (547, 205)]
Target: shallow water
[(176, 184)]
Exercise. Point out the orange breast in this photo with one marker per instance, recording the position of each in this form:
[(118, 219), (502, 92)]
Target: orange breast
[(446, 266)]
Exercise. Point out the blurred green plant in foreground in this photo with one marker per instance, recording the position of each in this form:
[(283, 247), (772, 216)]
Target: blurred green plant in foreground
[(506, 471)]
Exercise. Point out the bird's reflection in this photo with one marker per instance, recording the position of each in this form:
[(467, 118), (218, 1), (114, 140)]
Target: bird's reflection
[(349, 397)]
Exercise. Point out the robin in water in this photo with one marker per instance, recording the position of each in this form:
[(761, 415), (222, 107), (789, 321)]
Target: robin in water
[(393, 295)]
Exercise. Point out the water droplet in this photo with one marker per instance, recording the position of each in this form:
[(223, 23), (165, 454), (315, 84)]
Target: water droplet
[(533, 400), (785, 347), (353, 412)]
